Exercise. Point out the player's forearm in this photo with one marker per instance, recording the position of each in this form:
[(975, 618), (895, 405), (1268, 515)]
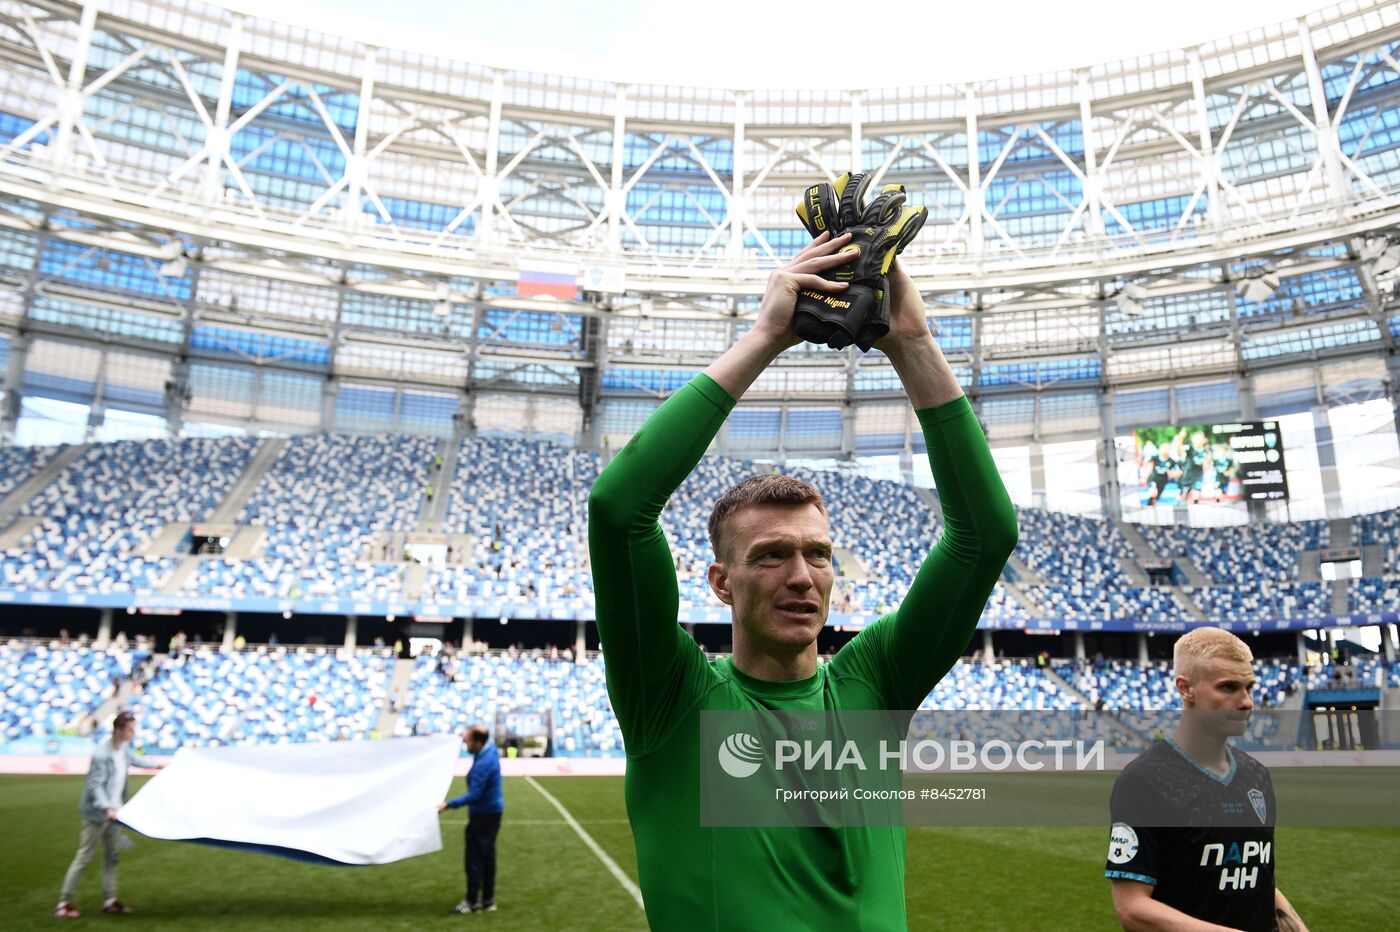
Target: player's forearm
[(1285, 916), (927, 378), (740, 365), (977, 510), (1145, 914)]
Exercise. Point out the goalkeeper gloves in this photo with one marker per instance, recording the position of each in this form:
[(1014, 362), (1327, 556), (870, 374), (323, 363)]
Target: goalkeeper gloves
[(880, 229)]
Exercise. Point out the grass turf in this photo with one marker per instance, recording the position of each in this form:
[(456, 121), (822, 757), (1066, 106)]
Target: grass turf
[(958, 878)]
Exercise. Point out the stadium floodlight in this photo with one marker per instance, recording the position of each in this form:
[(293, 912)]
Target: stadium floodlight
[(1128, 307), (1381, 252), (1389, 260), (1258, 285), (174, 268), (1372, 247), (1258, 290), (170, 249), (442, 308), (1129, 299)]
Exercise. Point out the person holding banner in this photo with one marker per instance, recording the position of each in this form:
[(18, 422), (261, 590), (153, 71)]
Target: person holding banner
[(485, 803), (104, 791)]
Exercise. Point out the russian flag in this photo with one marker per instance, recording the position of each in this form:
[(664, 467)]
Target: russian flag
[(559, 279)]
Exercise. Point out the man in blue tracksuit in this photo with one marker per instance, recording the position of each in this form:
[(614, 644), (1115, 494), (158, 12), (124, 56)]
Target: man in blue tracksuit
[(485, 803)]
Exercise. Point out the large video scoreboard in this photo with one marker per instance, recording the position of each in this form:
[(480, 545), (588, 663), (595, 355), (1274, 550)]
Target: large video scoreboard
[(1198, 464)]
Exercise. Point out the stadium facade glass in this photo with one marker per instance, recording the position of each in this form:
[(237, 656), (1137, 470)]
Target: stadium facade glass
[(211, 221)]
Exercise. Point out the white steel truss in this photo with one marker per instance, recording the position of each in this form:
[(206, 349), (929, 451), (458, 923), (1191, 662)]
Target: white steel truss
[(337, 168), (348, 165)]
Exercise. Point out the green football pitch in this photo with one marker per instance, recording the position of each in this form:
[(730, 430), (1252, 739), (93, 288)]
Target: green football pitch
[(551, 878)]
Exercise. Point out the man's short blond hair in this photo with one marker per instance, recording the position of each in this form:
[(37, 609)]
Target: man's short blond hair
[(1207, 644)]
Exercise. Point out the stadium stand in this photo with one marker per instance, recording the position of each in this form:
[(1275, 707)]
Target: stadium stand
[(1247, 601), (522, 503), (324, 502), (1004, 684), (320, 506), (1230, 555), (201, 697), (1381, 528), (1135, 691), (247, 346), (1253, 569), (98, 514), (47, 688), (19, 463), (1354, 672), (1122, 684), (1081, 561), (1374, 594), (475, 688)]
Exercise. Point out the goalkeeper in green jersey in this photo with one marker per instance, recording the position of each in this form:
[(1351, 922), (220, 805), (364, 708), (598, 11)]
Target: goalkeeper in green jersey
[(772, 566)]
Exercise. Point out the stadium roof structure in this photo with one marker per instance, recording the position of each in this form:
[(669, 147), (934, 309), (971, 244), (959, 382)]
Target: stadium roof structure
[(219, 216)]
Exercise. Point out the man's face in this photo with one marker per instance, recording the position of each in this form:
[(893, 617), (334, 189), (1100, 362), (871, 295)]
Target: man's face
[(125, 732), (474, 744), (776, 572), (1222, 690)]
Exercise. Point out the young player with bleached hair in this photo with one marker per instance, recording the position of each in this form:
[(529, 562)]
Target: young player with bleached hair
[(1192, 844)]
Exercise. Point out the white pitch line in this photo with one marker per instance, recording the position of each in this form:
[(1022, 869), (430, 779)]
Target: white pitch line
[(602, 855)]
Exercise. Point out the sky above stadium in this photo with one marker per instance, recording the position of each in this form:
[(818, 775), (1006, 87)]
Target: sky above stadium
[(753, 43)]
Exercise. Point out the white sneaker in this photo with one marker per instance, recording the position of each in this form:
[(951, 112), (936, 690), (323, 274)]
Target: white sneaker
[(463, 907)]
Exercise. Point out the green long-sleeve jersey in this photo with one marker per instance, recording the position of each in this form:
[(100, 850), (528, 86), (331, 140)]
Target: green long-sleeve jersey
[(659, 681)]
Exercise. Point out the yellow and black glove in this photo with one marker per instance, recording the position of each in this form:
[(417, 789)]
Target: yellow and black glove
[(880, 229)]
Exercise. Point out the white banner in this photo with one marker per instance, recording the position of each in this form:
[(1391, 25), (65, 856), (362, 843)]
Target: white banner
[(348, 802), (605, 279)]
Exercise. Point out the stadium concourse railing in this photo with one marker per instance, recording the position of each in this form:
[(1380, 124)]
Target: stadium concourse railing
[(99, 192), (146, 644), (69, 753), (147, 601)]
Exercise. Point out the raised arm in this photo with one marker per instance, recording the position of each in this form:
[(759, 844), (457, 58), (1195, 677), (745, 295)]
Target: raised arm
[(653, 668), (742, 363), (916, 645)]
